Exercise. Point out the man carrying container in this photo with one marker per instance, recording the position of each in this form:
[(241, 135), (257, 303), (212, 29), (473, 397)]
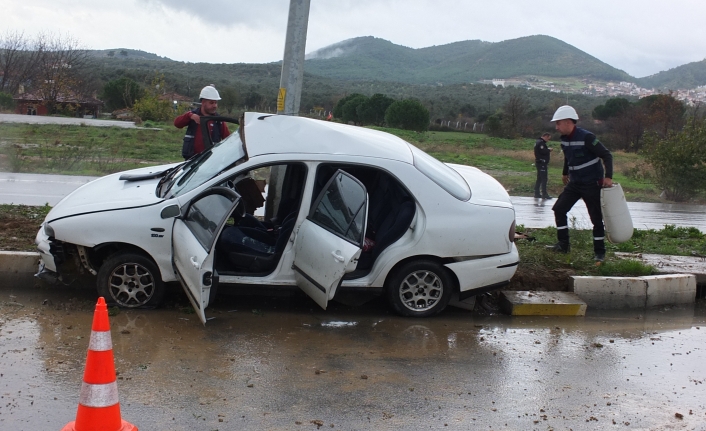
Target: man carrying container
[(588, 166)]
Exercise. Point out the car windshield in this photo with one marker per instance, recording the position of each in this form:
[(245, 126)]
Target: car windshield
[(201, 168)]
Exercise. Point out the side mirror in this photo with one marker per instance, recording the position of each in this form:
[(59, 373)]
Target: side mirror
[(170, 212)]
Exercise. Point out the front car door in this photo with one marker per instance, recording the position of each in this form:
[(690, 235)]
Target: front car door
[(193, 241), (330, 240)]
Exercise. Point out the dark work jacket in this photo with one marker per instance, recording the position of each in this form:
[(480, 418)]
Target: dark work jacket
[(583, 153), (193, 141), (541, 152)]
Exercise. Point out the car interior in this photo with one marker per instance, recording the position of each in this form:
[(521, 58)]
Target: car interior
[(253, 245)]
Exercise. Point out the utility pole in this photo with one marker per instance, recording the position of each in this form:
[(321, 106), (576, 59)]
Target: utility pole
[(290, 86)]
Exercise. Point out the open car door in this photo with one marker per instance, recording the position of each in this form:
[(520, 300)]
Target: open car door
[(330, 240), (193, 243)]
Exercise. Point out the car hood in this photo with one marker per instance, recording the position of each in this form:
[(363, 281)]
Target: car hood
[(485, 190), (110, 193)]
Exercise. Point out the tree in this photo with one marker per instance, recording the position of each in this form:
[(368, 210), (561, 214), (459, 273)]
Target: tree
[(494, 123), (629, 128), (254, 100), (408, 114), (61, 68), (665, 112), (515, 117), (150, 106), (612, 108), (229, 99), (338, 109), (121, 93), (19, 58), (679, 160), (372, 110), (349, 111)]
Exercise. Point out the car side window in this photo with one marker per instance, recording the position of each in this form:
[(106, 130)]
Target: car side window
[(206, 215), (341, 208)]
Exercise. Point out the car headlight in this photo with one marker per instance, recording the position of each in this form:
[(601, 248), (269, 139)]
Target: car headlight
[(49, 230)]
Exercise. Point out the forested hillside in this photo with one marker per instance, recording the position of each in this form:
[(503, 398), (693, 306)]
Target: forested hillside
[(256, 86), (368, 58), (686, 76)]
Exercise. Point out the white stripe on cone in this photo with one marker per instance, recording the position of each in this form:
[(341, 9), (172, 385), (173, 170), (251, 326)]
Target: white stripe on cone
[(99, 395), (100, 341)]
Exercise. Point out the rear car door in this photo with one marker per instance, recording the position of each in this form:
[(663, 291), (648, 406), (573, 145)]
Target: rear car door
[(330, 240), (193, 242)]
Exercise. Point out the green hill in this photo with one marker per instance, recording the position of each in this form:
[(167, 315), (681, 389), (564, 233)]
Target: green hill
[(369, 58), (689, 75)]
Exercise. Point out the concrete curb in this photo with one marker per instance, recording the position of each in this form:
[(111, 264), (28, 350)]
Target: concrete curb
[(524, 303), (635, 292), (17, 266)]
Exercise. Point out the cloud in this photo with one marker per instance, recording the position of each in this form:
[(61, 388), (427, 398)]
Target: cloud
[(228, 14)]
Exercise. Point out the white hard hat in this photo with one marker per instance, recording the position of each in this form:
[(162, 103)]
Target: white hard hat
[(209, 92), (565, 112)]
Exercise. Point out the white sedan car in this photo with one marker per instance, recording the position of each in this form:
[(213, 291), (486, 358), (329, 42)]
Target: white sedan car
[(347, 211)]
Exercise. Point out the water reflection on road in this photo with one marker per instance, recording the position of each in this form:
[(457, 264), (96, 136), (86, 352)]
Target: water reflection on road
[(282, 363), (538, 213)]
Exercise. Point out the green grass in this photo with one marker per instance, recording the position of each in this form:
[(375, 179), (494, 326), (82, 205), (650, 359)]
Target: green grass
[(27, 212), (85, 150), (672, 240), (81, 150)]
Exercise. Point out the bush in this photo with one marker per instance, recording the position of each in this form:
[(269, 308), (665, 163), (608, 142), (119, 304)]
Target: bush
[(121, 93), (6, 102), (679, 160), (407, 114), (153, 109)]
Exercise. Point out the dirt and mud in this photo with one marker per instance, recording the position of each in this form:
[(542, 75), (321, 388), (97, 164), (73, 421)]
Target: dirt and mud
[(282, 363)]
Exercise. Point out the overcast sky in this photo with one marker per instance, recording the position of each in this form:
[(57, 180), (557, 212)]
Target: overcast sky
[(641, 37)]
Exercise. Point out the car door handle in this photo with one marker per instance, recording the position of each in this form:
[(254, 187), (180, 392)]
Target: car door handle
[(337, 255), (194, 263)]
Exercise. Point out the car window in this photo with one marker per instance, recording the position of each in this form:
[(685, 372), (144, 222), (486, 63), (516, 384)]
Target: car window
[(206, 215), (341, 208), (444, 176), (206, 165)]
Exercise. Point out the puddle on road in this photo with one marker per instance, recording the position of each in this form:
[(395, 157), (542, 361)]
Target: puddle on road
[(338, 324), (271, 362)]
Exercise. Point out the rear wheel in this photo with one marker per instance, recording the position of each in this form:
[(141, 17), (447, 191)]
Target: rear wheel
[(130, 280), (419, 289)]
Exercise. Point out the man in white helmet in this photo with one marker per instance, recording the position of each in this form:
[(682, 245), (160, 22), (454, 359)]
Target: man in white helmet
[(193, 140), (583, 177)]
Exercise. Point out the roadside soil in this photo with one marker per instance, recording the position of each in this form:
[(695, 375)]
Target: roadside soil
[(18, 230)]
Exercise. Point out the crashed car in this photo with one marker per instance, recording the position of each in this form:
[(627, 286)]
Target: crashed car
[(334, 209)]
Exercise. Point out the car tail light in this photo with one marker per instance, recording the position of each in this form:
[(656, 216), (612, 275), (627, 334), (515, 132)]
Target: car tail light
[(511, 234)]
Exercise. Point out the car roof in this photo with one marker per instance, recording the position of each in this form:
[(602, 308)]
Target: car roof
[(282, 134)]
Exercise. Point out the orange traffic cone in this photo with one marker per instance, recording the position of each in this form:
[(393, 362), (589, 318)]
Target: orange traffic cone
[(98, 405)]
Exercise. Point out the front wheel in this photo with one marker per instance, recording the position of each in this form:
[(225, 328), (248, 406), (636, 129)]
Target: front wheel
[(419, 289), (130, 280)]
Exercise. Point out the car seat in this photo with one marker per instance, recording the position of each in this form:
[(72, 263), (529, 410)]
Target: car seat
[(392, 227), (252, 250)]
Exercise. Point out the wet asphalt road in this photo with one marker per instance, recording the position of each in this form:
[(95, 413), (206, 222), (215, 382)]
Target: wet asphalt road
[(283, 364), (39, 119), (38, 189)]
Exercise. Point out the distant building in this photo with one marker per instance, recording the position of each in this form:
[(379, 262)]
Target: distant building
[(31, 104)]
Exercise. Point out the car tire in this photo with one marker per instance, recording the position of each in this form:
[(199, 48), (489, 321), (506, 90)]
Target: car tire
[(130, 280), (419, 288)]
